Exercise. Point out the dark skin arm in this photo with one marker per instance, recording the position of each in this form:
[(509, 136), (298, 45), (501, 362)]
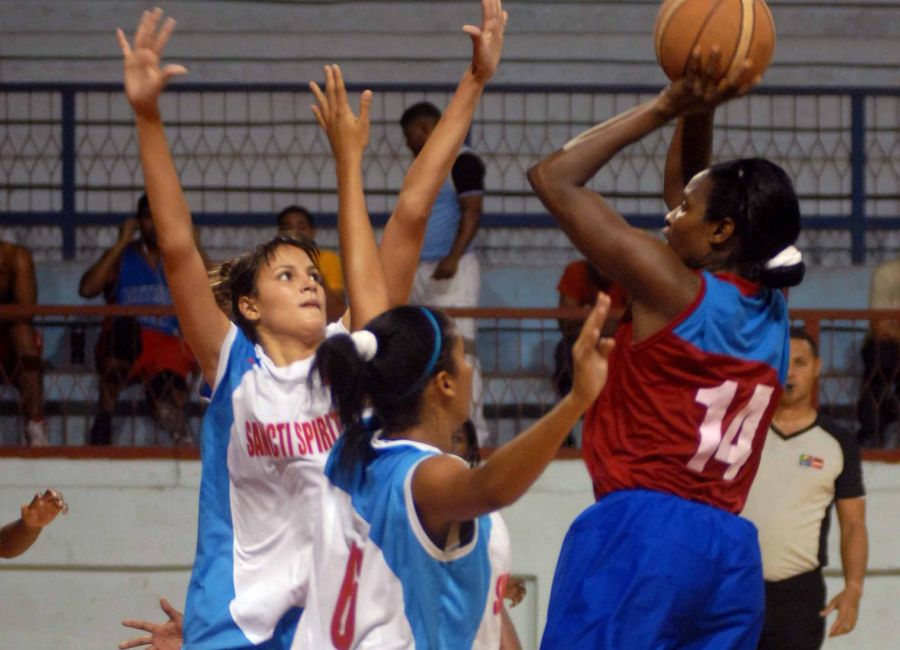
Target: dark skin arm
[(659, 282), (25, 293), (468, 227), (683, 163), (103, 273), (18, 536)]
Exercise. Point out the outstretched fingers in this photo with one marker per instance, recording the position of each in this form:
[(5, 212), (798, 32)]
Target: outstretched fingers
[(365, 104), (321, 109), (135, 643), (170, 611), (593, 324), (163, 36), (123, 42)]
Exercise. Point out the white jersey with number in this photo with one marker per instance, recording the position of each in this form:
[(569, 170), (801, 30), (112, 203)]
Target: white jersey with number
[(266, 437), (380, 582)]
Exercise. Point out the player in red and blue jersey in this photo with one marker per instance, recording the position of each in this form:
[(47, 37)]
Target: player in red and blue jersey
[(672, 444)]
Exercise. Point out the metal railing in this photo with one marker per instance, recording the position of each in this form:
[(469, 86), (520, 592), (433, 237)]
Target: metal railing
[(69, 155), (515, 351)]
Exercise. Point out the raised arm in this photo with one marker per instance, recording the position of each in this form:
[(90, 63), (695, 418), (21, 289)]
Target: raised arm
[(660, 284), (203, 325), (349, 135), (445, 490), (405, 230), (682, 163)]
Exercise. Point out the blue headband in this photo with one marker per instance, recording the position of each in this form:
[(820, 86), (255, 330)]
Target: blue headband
[(432, 362)]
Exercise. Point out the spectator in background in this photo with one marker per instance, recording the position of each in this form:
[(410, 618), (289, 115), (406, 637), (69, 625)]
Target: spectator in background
[(807, 464), (449, 274), (18, 536), (20, 343), (879, 400), (298, 222), (578, 287), (147, 348)]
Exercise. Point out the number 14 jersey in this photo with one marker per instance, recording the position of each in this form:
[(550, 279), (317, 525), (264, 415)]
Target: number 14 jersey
[(685, 411)]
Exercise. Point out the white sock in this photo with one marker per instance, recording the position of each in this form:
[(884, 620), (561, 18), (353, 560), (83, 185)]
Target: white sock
[(36, 433)]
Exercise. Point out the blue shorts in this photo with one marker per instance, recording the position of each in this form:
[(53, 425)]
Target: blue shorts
[(648, 570)]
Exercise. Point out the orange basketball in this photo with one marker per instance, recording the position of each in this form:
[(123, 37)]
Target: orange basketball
[(742, 29)]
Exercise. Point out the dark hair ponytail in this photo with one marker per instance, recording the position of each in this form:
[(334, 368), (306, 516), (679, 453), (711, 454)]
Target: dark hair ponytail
[(413, 345), (759, 197)]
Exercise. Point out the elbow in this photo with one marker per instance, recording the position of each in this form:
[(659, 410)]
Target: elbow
[(413, 210), (539, 177), (547, 181)]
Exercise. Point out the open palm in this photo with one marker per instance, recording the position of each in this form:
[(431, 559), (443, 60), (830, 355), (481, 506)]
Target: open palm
[(144, 77), (487, 41)]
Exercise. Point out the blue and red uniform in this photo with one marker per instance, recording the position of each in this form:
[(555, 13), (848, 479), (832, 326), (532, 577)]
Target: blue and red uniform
[(672, 446)]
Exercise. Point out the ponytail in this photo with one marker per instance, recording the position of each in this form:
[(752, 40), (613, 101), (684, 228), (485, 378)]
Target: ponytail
[(759, 197), (386, 366), (342, 368)]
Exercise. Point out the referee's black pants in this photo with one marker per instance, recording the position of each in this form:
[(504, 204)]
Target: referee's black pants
[(792, 613)]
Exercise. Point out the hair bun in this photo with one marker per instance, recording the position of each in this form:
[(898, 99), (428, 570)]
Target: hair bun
[(366, 344)]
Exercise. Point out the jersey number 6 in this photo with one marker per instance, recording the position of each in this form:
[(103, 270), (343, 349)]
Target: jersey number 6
[(733, 448), (344, 618)]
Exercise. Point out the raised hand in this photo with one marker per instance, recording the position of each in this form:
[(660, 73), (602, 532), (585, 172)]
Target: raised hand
[(699, 91), (590, 354), (347, 133), (487, 41), (144, 78), (163, 636), (43, 509)]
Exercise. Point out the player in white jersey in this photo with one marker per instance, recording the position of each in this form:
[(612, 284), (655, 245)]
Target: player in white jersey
[(402, 557), (267, 433)]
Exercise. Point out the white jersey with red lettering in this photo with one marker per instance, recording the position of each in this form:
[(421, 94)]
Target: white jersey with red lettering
[(265, 438), (379, 581)]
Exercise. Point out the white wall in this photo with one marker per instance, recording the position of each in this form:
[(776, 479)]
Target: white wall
[(129, 539), (556, 41)]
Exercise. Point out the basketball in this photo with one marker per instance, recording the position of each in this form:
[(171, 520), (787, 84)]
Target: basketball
[(742, 29)]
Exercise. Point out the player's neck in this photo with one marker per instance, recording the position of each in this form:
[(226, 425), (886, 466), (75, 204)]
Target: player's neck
[(793, 418)]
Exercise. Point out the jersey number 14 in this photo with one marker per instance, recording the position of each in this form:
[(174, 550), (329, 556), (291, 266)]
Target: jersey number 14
[(733, 446)]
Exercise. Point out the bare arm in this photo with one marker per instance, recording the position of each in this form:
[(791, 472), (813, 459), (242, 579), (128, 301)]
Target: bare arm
[(854, 557), (349, 135), (509, 640), (445, 490), (25, 293), (683, 163), (649, 270), (404, 232), (203, 325), (103, 273), (18, 536), (660, 284), (470, 207)]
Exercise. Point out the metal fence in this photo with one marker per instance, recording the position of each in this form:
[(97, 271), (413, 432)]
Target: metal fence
[(69, 165), (515, 351)]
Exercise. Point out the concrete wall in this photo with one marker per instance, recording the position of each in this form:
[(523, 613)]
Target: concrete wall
[(561, 41), (129, 538)]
